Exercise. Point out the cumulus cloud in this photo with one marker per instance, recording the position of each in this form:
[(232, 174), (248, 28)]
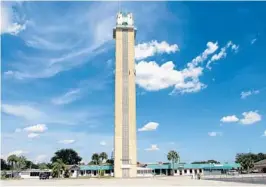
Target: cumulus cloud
[(250, 117), (214, 134), (151, 126), (67, 98), (17, 152), (9, 22), (223, 53), (149, 49), (229, 119), (36, 128), (153, 77), (249, 93), (40, 158), (66, 141), (33, 135), (18, 130), (103, 143), (24, 111), (153, 147)]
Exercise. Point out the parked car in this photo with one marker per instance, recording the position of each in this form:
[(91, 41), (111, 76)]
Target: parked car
[(232, 172), (244, 172), (255, 171), (44, 176)]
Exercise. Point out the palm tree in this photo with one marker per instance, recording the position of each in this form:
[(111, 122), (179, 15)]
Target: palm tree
[(95, 158), (21, 162), (58, 167), (174, 157), (12, 159), (42, 166), (103, 156)]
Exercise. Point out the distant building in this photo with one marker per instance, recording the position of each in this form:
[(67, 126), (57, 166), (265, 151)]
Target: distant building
[(34, 173), (261, 166), (163, 169)]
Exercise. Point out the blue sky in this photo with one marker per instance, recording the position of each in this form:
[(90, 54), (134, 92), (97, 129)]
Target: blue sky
[(200, 78)]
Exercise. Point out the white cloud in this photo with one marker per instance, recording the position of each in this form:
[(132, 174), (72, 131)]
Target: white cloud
[(153, 77), (249, 93), (151, 126), (33, 135), (60, 47), (9, 22), (67, 98), (48, 114), (153, 147), (36, 128), (250, 117), (103, 143), (66, 141), (40, 158), (214, 134), (223, 53), (253, 41), (24, 111), (18, 130), (211, 48), (264, 134), (17, 152), (229, 119), (149, 49)]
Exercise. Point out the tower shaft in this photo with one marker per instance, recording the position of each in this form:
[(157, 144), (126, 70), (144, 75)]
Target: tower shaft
[(125, 103)]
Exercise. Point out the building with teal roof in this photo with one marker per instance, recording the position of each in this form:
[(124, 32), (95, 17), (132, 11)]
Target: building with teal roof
[(163, 169)]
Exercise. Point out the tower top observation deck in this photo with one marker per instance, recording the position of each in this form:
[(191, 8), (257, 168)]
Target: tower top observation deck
[(124, 20)]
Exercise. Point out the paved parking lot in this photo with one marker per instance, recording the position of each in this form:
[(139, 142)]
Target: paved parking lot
[(157, 181)]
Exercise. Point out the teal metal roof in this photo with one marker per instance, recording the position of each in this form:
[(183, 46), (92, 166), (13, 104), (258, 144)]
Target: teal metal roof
[(95, 167), (158, 166), (195, 166), (226, 166)]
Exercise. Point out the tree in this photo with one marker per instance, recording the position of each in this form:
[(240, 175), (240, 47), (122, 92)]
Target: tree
[(4, 165), (21, 163), (49, 165), (206, 162), (110, 161), (103, 156), (246, 160), (12, 159), (31, 165), (174, 157), (68, 156), (95, 158), (260, 157), (58, 168), (42, 166)]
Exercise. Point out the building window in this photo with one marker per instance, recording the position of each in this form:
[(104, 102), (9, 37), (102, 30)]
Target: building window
[(185, 171), (200, 170), (34, 174), (190, 171)]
